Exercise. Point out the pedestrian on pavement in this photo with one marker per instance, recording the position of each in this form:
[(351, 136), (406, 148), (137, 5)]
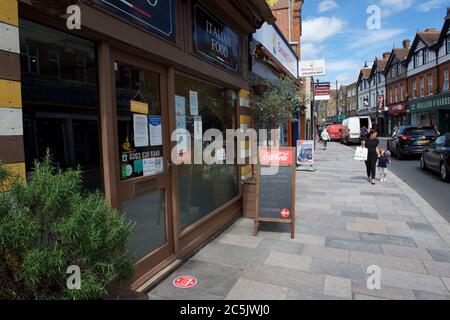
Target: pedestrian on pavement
[(383, 162), (372, 143), (363, 133), (325, 137)]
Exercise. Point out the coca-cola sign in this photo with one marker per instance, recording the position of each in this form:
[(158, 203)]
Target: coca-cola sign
[(276, 156)]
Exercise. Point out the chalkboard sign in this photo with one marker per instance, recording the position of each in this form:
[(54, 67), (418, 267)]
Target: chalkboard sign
[(276, 187)]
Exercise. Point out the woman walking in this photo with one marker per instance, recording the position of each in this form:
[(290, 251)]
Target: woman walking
[(325, 138), (372, 143)]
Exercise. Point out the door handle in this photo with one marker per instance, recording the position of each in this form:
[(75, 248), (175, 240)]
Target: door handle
[(169, 168)]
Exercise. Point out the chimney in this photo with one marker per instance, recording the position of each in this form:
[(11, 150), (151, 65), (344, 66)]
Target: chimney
[(430, 30), (448, 13), (386, 55), (406, 44)]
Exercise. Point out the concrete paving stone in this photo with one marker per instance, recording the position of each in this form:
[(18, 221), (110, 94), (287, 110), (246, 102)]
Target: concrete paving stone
[(356, 214), (304, 296), (406, 252), (285, 277), (423, 234), (326, 253), (240, 240), (414, 281), (438, 268), (245, 222), (393, 217), (231, 255), (386, 292), (442, 228), (254, 290), (334, 233), (354, 245), (214, 282), (431, 244), (366, 298), (423, 295), (388, 262), (288, 260), (312, 205), (395, 224), (388, 239), (286, 245), (446, 281), (400, 232), (368, 226), (322, 224), (156, 298), (440, 255), (338, 287), (305, 238), (338, 269)]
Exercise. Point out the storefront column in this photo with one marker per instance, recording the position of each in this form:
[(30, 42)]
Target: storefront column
[(108, 138), (11, 125)]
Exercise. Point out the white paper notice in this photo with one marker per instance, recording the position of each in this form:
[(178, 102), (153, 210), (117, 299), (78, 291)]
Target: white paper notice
[(180, 105), (140, 125), (149, 167), (159, 165), (193, 98), (181, 122), (198, 128), (155, 130)]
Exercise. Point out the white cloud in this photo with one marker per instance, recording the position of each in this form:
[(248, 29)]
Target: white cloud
[(390, 7), (431, 5), (346, 70), (374, 38), (311, 51), (327, 5), (319, 29)]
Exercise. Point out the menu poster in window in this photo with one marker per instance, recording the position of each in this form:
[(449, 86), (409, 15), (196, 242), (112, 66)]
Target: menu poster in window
[(193, 99), (140, 125), (180, 105), (155, 127)]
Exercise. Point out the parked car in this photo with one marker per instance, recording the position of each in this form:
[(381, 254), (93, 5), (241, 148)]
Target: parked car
[(411, 140), (334, 130), (436, 157), (351, 129)]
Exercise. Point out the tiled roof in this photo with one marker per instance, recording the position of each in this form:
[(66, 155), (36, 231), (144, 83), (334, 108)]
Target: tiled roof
[(401, 54), (429, 37)]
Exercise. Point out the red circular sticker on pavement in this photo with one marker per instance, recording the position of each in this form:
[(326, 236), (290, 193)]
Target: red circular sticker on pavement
[(285, 213), (185, 282)]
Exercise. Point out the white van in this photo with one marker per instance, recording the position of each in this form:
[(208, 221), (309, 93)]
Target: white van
[(351, 129)]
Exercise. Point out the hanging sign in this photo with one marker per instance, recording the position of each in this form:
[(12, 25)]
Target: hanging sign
[(139, 107), (215, 41), (157, 16)]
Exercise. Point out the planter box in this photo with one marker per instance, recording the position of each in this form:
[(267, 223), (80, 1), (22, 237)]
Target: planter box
[(249, 199)]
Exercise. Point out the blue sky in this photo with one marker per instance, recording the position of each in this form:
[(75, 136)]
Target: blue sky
[(336, 30)]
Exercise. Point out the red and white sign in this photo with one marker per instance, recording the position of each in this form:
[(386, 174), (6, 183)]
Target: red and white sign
[(276, 156), (322, 92), (185, 282), (285, 213)]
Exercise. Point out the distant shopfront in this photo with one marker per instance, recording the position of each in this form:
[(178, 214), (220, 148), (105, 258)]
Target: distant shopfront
[(397, 116), (107, 98), (432, 110)]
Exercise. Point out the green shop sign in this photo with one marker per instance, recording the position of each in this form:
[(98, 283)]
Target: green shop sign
[(430, 103)]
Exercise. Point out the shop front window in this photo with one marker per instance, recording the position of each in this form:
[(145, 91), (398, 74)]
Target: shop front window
[(60, 113), (139, 122), (204, 188)]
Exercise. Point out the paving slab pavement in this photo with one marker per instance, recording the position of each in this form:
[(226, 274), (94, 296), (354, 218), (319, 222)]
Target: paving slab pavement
[(344, 225)]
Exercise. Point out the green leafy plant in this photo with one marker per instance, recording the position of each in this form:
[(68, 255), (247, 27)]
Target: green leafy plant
[(50, 224), (278, 103)]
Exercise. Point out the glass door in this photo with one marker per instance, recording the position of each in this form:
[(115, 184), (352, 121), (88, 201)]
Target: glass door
[(143, 158)]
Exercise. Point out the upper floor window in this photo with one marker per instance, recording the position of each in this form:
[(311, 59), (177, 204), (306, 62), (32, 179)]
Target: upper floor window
[(414, 85), (418, 59), (426, 56), (422, 86), (430, 84), (399, 69), (54, 66), (445, 79), (391, 99), (32, 59), (379, 77), (402, 92), (447, 45), (396, 94)]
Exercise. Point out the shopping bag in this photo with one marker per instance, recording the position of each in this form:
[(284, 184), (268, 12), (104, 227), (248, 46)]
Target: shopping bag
[(361, 154)]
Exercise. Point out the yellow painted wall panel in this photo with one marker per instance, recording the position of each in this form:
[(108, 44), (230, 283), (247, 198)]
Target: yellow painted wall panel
[(246, 119), (9, 12), (18, 172), (10, 94)]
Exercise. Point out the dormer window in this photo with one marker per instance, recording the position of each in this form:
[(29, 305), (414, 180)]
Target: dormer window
[(399, 69), (426, 56), (447, 45)]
